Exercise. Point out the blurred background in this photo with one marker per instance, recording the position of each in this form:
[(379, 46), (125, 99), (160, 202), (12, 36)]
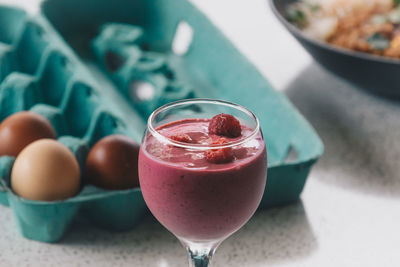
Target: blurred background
[(349, 211)]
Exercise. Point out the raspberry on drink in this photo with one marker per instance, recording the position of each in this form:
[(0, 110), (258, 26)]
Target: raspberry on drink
[(184, 138), (225, 125), (219, 155)]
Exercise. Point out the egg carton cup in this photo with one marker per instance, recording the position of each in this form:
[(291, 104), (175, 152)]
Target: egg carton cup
[(120, 49), (41, 74)]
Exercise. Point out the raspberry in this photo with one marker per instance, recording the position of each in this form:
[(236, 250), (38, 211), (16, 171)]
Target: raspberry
[(184, 138), (225, 125), (219, 155)]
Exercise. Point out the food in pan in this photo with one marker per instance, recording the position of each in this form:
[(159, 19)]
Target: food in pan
[(370, 26)]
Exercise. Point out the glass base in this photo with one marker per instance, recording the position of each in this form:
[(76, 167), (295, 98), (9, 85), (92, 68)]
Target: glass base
[(200, 253)]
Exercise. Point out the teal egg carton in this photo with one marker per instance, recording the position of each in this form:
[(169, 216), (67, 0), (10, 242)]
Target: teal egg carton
[(200, 56), (84, 74), (41, 74)]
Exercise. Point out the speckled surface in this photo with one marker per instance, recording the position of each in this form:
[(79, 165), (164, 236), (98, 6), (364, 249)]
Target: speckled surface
[(349, 214)]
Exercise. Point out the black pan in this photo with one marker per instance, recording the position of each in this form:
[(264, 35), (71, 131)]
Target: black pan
[(374, 73)]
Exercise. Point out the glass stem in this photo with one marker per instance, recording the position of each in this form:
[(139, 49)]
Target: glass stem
[(200, 258), (200, 254)]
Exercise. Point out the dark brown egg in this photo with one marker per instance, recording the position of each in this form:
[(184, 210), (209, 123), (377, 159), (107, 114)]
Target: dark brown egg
[(112, 163), (22, 128)]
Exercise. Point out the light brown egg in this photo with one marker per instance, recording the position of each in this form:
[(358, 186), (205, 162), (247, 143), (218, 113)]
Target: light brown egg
[(22, 128), (45, 170)]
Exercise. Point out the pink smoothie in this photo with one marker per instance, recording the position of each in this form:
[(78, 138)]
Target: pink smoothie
[(193, 198)]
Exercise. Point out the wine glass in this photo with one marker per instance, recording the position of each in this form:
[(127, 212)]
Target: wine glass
[(200, 184)]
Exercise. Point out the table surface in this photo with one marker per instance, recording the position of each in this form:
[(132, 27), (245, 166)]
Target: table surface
[(349, 213)]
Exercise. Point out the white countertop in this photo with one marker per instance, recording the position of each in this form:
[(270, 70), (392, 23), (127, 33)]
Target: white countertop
[(349, 214)]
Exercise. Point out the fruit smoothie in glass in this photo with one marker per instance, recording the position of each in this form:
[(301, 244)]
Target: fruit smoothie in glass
[(202, 173)]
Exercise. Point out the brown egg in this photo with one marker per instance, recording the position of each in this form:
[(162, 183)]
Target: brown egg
[(45, 170), (22, 128), (113, 163)]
